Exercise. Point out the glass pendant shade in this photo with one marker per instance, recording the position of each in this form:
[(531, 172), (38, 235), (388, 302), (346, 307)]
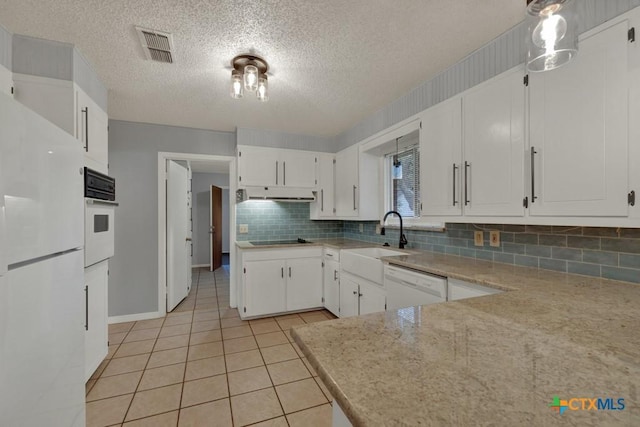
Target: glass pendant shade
[(263, 89), (250, 78), (552, 39), (236, 85)]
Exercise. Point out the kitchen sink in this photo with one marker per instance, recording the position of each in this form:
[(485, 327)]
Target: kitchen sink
[(365, 262)]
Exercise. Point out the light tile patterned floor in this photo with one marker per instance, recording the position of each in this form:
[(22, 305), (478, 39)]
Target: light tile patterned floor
[(204, 366)]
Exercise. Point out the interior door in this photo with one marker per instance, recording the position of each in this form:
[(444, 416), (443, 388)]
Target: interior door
[(178, 234), (215, 227)]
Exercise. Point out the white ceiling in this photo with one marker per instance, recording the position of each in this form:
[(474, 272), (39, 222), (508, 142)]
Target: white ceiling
[(333, 62)]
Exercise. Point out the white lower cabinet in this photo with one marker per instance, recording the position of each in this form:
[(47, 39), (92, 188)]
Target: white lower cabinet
[(96, 278), (6, 81), (280, 280), (359, 296), (331, 276)]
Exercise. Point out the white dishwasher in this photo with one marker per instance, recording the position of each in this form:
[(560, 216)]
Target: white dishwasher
[(407, 288)]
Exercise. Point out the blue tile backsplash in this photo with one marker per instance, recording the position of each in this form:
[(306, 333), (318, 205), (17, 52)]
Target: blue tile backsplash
[(613, 253), (269, 220)]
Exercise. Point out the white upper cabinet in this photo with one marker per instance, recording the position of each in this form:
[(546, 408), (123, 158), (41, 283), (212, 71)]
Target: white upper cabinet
[(493, 145), (357, 184), (272, 167), (440, 159), (257, 166), (472, 151), (324, 206), (6, 81), (579, 131), (346, 186), (92, 131)]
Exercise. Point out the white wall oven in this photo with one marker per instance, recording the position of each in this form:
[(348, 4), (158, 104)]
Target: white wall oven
[(100, 195)]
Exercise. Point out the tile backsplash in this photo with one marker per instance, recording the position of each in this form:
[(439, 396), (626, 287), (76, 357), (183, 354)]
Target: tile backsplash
[(613, 253), (609, 252), (268, 220)]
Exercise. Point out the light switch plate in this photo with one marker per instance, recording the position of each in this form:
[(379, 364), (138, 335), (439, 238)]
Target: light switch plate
[(244, 228), (378, 228), (361, 228), (494, 238), (478, 238)]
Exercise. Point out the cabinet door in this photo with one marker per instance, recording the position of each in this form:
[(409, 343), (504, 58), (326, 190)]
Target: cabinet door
[(332, 286), (493, 171), (304, 283), (373, 299), (96, 321), (348, 297), (440, 159), (92, 131), (264, 287), (298, 169), (323, 207), (6, 81), (258, 167), (578, 131), (346, 185)]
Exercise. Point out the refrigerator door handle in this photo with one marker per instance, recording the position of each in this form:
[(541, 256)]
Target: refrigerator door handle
[(86, 307)]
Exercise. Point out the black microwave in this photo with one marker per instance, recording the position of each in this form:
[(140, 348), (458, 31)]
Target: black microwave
[(98, 185)]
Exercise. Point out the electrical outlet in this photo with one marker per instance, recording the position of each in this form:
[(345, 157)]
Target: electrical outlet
[(378, 228), (361, 228), (494, 238), (478, 238), (244, 228)]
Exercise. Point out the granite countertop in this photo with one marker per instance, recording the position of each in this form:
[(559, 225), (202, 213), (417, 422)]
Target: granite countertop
[(494, 360)]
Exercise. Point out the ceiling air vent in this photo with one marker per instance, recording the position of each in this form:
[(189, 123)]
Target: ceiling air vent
[(157, 45)]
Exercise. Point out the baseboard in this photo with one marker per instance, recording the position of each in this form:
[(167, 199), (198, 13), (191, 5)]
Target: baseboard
[(200, 265), (135, 317)]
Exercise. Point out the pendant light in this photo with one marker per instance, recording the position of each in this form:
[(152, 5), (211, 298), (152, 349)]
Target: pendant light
[(249, 74), (397, 165), (552, 39)]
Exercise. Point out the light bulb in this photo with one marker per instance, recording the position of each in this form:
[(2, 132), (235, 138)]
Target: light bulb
[(250, 78), (549, 31), (553, 39), (263, 89), (236, 85)]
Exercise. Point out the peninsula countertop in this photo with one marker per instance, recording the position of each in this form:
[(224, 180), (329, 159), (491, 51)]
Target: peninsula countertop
[(494, 360)]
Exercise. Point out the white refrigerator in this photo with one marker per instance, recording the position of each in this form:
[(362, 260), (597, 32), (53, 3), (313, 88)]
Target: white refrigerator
[(42, 302)]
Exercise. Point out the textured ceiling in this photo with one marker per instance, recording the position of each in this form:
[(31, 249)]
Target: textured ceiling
[(333, 62)]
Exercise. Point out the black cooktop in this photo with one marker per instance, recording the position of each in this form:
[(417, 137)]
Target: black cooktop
[(279, 242)]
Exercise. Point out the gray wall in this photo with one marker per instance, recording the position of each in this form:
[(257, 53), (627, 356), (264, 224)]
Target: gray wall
[(56, 60), (133, 161), (5, 48), (499, 55), (201, 185), (268, 138)]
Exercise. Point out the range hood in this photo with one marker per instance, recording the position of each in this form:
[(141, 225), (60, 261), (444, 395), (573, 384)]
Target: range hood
[(278, 194)]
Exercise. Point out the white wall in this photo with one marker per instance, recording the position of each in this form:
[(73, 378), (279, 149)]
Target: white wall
[(133, 162), (201, 185)]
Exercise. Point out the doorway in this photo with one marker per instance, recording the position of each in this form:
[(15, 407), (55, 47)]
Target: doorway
[(215, 229), (198, 164)]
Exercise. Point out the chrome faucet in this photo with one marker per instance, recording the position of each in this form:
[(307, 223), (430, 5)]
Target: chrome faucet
[(403, 239)]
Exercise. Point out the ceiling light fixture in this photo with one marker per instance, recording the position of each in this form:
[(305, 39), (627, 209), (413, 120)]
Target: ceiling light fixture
[(249, 74), (552, 39)]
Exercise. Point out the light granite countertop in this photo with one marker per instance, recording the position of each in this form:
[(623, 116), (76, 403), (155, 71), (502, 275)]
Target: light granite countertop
[(495, 360)]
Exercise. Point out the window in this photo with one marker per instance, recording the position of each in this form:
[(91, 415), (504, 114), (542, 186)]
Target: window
[(403, 193)]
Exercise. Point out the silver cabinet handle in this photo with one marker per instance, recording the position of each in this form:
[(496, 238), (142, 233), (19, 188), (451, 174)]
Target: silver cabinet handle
[(284, 173), (467, 166), (85, 111), (533, 174), (455, 168), (282, 272), (335, 275), (276, 173), (354, 197), (289, 271), (86, 308), (355, 292), (322, 200)]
